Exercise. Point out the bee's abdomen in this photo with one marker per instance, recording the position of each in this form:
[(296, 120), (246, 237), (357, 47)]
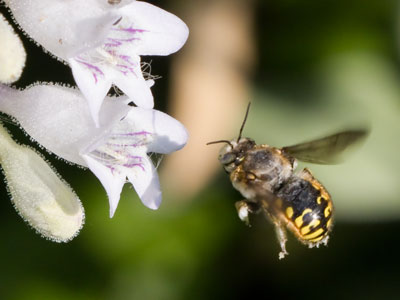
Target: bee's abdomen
[(307, 207)]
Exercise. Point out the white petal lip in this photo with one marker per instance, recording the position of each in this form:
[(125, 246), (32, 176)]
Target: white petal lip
[(93, 82), (162, 33), (136, 87), (169, 135), (112, 182), (146, 184)]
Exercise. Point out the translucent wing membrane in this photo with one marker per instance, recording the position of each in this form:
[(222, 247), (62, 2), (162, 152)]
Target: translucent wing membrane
[(327, 150)]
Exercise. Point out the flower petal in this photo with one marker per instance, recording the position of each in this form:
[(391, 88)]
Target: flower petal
[(158, 32), (168, 134), (91, 32), (93, 81), (136, 88), (95, 71), (146, 183), (112, 181), (12, 53)]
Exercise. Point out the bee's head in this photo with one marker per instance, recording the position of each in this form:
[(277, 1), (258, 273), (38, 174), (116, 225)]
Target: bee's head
[(233, 152), (231, 155)]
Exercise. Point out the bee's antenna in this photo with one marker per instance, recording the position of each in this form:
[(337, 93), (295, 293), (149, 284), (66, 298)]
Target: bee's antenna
[(220, 141), (244, 122)]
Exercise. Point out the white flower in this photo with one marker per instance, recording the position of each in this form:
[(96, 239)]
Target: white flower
[(40, 196), (57, 118), (102, 42), (12, 53)]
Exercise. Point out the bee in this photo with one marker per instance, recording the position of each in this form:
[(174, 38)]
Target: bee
[(266, 178)]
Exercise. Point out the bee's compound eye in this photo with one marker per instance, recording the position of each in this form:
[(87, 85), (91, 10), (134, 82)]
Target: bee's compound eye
[(227, 158)]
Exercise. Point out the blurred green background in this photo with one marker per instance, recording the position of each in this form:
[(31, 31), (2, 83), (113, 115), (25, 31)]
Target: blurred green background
[(322, 66)]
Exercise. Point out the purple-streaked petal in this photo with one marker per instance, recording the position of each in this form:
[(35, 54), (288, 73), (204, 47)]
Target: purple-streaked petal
[(111, 179), (136, 88), (145, 181), (93, 81), (165, 134), (154, 30)]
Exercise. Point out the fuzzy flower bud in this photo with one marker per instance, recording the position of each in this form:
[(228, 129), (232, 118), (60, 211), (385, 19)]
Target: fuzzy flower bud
[(40, 196)]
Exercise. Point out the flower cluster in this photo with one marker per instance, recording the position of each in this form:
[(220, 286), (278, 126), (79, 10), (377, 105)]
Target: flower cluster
[(102, 42)]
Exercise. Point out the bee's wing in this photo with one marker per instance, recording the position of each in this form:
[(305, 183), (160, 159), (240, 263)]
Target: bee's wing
[(326, 150)]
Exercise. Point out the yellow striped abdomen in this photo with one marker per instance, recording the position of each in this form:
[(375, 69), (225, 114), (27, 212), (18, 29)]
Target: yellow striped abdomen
[(307, 208)]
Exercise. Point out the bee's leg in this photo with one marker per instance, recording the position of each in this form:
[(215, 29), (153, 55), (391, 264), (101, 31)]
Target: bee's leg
[(243, 211), (282, 238), (280, 233), (245, 207)]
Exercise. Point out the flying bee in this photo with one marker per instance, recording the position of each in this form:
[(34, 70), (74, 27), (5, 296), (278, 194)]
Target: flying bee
[(265, 176)]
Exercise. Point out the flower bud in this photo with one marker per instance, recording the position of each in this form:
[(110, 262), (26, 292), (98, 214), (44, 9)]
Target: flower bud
[(40, 196)]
